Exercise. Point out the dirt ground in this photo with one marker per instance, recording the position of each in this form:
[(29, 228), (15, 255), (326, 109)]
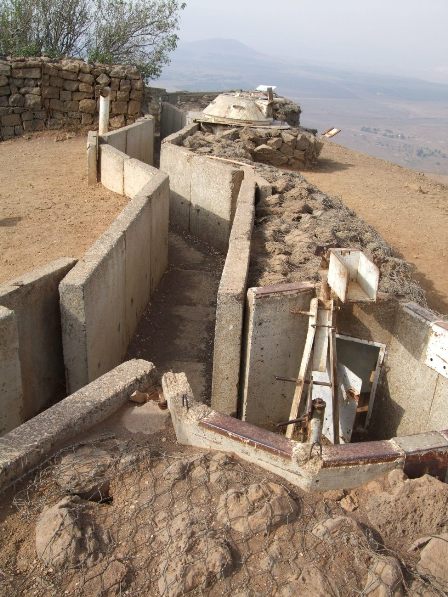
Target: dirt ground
[(127, 516), (47, 210), (409, 210), (182, 312)]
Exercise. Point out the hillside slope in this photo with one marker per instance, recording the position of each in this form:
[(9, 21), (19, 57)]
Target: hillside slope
[(409, 209)]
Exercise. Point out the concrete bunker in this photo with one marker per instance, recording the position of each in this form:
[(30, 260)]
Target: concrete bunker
[(388, 398), (391, 351)]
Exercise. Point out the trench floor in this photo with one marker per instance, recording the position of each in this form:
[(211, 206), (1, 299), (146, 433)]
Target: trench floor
[(176, 331)]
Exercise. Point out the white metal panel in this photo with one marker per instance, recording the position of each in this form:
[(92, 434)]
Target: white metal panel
[(352, 276), (368, 276), (338, 276), (320, 349), (348, 380), (437, 350)]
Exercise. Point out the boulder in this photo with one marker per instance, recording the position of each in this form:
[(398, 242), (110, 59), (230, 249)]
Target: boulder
[(259, 507), (330, 527), (65, 536), (87, 105), (433, 558), (267, 155), (85, 472), (275, 142), (199, 565), (384, 579)]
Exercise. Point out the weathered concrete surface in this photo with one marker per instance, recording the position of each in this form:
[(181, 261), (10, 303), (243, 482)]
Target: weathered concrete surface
[(214, 191), (30, 444), (140, 140), (230, 305), (203, 191), (274, 343), (111, 168), (34, 298), (339, 467), (10, 375), (135, 140), (172, 119), (92, 157), (104, 296), (136, 175), (176, 161), (176, 330), (417, 395), (160, 215)]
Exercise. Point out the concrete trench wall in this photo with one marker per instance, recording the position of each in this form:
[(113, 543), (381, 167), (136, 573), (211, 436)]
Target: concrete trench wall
[(230, 304), (273, 343), (31, 362), (118, 272), (172, 119), (411, 396), (135, 140), (104, 296), (204, 191)]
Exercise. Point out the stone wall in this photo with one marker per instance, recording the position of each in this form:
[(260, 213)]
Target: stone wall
[(39, 93)]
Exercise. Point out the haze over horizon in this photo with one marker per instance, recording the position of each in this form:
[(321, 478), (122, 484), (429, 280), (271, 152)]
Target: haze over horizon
[(403, 37)]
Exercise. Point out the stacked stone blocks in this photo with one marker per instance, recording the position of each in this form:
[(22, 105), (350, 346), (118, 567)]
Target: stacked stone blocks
[(39, 93)]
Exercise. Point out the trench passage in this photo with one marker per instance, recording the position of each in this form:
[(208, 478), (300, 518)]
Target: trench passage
[(176, 331)]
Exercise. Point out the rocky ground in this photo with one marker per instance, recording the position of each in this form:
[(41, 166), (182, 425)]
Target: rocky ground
[(298, 223), (116, 517)]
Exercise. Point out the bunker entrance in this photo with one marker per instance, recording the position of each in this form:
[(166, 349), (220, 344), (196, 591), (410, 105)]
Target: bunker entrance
[(339, 362)]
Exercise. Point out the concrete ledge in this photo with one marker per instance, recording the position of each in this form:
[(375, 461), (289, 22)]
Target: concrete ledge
[(104, 296), (339, 467), (230, 305), (30, 444), (10, 374), (34, 298)]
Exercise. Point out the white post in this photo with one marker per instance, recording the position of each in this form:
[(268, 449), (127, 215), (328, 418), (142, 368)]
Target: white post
[(103, 125)]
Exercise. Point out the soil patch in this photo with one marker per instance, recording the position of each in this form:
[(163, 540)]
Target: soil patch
[(409, 209), (47, 210)]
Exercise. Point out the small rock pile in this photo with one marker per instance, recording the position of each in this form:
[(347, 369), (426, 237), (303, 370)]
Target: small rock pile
[(292, 148), (39, 93)]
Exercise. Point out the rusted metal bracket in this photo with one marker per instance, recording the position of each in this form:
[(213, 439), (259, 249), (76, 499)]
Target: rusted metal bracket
[(304, 382)]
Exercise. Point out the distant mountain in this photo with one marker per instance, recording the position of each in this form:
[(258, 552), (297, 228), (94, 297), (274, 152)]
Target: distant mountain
[(229, 64), (400, 119)]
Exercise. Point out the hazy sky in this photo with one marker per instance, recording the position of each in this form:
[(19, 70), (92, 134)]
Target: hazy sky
[(401, 36)]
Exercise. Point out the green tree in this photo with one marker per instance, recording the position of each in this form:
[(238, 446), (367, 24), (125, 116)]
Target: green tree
[(140, 32)]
